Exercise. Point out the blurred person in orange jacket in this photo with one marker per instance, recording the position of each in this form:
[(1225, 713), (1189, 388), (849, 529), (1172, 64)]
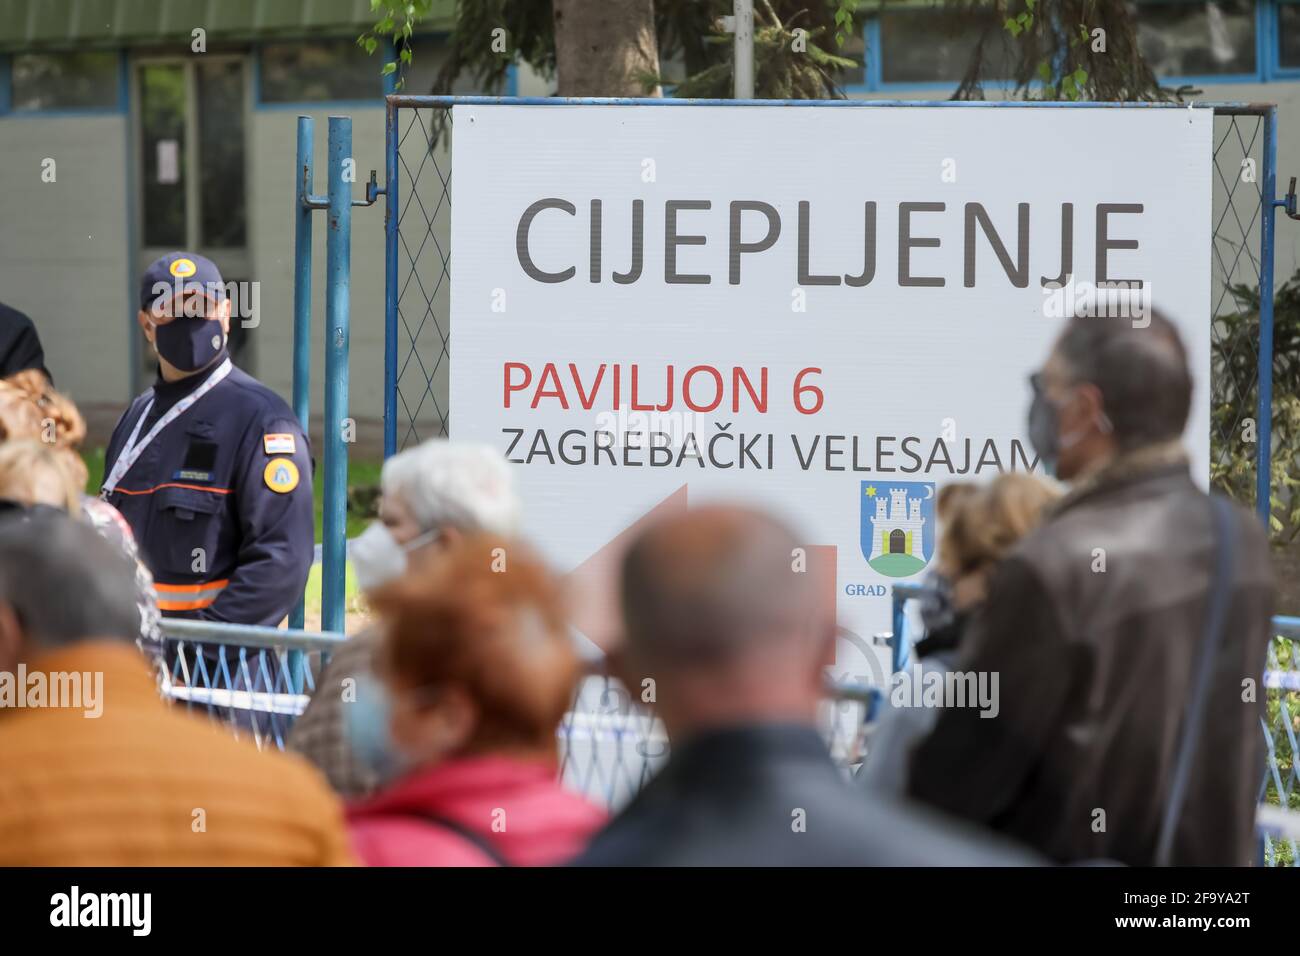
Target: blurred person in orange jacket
[(95, 769)]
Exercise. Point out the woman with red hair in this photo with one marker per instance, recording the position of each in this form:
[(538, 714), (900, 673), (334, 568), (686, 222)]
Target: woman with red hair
[(477, 670)]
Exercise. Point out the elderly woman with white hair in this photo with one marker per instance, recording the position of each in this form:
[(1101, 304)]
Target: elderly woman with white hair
[(431, 496)]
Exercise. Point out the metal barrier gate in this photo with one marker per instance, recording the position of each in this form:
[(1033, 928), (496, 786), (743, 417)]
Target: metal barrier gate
[(609, 746)]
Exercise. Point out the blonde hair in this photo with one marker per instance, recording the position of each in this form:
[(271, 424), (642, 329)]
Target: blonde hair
[(987, 522), (34, 472), (30, 408), (950, 498)]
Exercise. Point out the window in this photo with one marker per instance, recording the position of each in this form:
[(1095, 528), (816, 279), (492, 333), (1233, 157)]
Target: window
[(220, 95), (1288, 36), (1197, 39), (328, 70), (163, 151), (855, 49), (918, 42), (929, 45), (57, 81)]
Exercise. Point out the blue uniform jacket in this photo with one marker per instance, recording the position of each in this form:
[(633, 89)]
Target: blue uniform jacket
[(220, 501)]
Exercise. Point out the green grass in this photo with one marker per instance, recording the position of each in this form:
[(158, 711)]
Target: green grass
[(312, 596), (897, 565), (361, 474), (94, 460)]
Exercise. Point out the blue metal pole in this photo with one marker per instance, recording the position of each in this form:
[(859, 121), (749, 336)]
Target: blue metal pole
[(1264, 413), (303, 181), (898, 639), (337, 281), (390, 280)]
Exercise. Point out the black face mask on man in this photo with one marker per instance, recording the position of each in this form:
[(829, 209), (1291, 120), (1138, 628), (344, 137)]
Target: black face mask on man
[(189, 342), (189, 289), (1045, 428)]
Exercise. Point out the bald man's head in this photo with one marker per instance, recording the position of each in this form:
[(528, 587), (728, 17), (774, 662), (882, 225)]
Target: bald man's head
[(714, 583)]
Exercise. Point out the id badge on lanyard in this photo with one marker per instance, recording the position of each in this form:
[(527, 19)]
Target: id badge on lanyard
[(135, 445)]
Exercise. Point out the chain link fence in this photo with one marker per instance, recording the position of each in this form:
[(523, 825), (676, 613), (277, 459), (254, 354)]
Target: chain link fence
[(420, 376), (1236, 261)]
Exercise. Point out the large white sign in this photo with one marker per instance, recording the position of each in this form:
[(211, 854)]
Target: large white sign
[(830, 311)]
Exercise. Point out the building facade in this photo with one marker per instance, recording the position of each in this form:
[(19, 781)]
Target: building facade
[(132, 127)]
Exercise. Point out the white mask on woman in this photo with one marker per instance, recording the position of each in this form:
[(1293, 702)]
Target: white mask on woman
[(377, 558)]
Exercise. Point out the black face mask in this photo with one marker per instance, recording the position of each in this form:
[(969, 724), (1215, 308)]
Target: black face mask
[(189, 342), (1044, 427)]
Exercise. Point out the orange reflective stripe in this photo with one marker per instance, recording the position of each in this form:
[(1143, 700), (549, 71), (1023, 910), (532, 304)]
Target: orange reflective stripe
[(192, 588), (164, 605), (188, 597), (173, 484)]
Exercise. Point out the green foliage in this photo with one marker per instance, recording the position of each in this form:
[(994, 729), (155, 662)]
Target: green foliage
[(478, 48), (787, 64), (844, 10), (1282, 713), (396, 21), (688, 30), (1059, 49), (1021, 22), (1054, 45), (1234, 400)]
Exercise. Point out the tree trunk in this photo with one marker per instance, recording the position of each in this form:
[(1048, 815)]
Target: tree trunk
[(605, 47)]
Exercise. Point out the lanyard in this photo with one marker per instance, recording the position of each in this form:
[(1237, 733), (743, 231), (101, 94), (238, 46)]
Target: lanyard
[(133, 448)]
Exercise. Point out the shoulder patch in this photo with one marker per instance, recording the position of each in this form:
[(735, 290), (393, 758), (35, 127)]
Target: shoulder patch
[(280, 475), (281, 443)]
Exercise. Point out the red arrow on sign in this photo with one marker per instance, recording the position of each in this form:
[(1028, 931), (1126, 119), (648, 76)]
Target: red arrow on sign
[(593, 584)]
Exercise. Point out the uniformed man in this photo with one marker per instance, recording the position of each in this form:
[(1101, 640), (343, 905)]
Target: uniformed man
[(209, 466)]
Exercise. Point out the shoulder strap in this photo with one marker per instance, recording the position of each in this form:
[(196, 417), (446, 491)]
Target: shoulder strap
[(480, 840), (1220, 591)]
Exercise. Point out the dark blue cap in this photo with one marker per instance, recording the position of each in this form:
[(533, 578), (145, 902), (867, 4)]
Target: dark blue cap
[(179, 272)]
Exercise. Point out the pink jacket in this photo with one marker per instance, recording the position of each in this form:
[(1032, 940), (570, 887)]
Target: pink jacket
[(517, 806)]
